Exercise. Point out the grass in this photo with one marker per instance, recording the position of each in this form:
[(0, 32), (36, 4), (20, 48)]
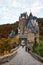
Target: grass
[(39, 49)]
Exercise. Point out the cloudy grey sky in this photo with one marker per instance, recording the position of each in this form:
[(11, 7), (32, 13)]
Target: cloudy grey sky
[(10, 10)]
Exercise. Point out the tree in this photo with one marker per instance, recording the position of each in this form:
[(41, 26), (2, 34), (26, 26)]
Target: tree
[(4, 45)]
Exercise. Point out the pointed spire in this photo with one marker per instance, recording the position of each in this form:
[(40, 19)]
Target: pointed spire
[(30, 16), (12, 34)]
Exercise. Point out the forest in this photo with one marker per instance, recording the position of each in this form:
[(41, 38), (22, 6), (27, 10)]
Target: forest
[(5, 30)]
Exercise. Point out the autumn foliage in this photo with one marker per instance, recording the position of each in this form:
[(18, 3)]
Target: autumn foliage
[(5, 30), (5, 47)]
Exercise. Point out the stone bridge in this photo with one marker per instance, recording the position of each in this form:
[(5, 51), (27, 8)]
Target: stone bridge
[(23, 58)]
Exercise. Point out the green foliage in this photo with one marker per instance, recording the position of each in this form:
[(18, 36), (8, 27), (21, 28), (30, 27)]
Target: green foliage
[(39, 49)]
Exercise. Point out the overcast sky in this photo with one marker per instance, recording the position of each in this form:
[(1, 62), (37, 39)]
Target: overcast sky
[(10, 10)]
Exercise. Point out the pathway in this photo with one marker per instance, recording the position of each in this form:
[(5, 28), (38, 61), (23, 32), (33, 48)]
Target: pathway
[(23, 58)]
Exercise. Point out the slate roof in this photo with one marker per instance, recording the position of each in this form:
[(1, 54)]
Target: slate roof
[(12, 34), (35, 30), (23, 15), (30, 26), (22, 36), (30, 16), (34, 17)]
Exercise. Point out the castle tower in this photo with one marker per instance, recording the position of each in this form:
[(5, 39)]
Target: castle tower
[(33, 28), (22, 22), (28, 28)]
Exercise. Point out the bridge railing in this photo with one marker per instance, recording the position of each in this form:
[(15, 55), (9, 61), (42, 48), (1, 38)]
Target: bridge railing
[(8, 57)]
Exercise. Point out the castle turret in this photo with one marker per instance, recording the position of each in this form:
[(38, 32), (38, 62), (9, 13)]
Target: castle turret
[(22, 22)]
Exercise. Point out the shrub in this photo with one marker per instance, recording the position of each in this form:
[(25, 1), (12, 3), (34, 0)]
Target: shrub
[(39, 49), (4, 45)]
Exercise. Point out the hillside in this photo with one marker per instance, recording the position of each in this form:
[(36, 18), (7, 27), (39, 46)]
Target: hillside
[(40, 21), (6, 29)]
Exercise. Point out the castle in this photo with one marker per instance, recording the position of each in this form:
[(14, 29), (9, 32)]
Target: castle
[(28, 27)]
